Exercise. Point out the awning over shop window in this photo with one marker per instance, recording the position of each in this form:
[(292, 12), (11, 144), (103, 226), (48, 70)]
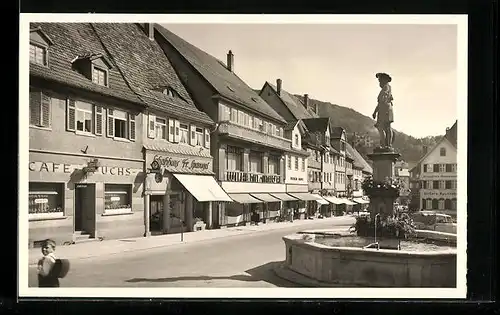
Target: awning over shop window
[(203, 187), (304, 196), (283, 197), (320, 199), (265, 197), (244, 198), (347, 202), (334, 200), (360, 200)]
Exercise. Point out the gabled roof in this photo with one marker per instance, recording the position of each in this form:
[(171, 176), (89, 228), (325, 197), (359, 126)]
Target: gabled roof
[(358, 159), (69, 41), (450, 136), (147, 70), (292, 103), (317, 124), (336, 132), (225, 82), (42, 33)]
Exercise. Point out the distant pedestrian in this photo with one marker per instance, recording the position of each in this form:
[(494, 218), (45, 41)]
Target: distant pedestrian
[(50, 268)]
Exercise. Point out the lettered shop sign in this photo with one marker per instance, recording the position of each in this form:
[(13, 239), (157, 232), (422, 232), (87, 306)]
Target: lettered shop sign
[(51, 167)]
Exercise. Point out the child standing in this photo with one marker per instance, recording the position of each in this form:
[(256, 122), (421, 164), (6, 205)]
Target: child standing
[(47, 276)]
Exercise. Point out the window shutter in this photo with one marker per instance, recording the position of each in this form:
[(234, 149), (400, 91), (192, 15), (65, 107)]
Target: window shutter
[(131, 127), (177, 135), (207, 139), (111, 124), (192, 133), (151, 126), (171, 130), (45, 122), (98, 120), (436, 168), (70, 115), (35, 104)]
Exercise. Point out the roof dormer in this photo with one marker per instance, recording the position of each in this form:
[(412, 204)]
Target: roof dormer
[(94, 67), (39, 46)]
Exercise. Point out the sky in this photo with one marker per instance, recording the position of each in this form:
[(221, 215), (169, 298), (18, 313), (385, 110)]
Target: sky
[(337, 63)]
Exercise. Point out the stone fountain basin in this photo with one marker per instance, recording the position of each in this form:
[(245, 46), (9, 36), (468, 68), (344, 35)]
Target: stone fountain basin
[(356, 266)]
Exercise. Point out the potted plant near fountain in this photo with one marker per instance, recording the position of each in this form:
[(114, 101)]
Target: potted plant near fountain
[(384, 225)]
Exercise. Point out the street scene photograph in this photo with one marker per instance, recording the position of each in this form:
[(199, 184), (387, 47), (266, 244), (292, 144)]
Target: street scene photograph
[(199, 154)]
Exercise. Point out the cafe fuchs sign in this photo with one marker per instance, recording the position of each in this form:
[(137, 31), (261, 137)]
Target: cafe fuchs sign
[(168, 162), (91, 167)]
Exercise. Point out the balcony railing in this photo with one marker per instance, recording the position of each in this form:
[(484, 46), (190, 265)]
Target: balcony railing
[(247, 177), (252, 135)]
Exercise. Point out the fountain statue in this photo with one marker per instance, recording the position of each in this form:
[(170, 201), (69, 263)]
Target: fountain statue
[(383, 112)]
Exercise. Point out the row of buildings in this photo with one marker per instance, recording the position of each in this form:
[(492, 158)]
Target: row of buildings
[(133, 130)]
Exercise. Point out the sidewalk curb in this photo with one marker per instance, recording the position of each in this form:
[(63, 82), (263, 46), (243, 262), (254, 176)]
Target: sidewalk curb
[(33, 260)]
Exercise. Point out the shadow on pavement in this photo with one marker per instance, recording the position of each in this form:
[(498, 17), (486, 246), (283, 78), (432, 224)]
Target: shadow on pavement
[(261, 273)]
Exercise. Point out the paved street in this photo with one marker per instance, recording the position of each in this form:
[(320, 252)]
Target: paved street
[(234, 261)]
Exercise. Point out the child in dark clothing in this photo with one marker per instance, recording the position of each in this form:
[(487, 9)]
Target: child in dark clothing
[(47, 276)]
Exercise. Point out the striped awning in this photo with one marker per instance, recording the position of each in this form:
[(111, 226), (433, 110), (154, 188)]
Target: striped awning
[(265, 197), (304, 196), (283, 196), (244, 198), (334, 200), (360, 200)]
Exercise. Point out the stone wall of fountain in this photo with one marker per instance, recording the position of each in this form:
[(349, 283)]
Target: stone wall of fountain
[(350, 266)]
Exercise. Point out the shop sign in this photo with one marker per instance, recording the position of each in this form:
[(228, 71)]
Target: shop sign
[(252, 178), (448, 193), (179, 163), (51, 167), (438, 176), (296, 178)]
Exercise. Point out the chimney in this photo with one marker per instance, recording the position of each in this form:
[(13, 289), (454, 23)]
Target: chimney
[(149, 29), (354, 139), (278, 86), (306, 100), (424, 149), (230, 61)]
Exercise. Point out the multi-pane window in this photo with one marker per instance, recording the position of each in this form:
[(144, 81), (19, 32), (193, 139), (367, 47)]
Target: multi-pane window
[(289, 162), (38, 54), (184, 133), (233, 159), (161, 128), (199, 136), (441, 204), (453, 184), (120, 124), (84, 117), (453, 167), (296, 163), (448, 184), (273, 166), (442, 152), (296, 140), (428, 204), (442, 184), (99, 76), (255, 162), (303, 164), (453, 204)]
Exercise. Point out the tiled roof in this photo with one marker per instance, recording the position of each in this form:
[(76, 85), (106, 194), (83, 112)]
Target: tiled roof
[(358, 159), (147, 69), (294, 105), (336, 132), (71, 40), (177, 148), (317, 124), (451, 134), (216, 74)]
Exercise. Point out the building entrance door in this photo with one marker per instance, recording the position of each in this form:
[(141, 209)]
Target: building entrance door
[(84, 218), (156, 212)]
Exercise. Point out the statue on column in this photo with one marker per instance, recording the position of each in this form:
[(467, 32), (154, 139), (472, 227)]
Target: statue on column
[(383, 112)]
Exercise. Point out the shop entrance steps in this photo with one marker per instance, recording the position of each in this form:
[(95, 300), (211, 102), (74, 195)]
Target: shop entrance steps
[(82, 237)]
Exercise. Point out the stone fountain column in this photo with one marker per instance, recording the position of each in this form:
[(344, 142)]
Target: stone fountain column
[(382, 200)]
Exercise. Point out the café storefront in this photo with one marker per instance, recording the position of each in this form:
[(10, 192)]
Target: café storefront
[(180, 193), (72, 198)]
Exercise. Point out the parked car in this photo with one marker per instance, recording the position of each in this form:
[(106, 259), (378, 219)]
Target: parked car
[(431, 220)]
